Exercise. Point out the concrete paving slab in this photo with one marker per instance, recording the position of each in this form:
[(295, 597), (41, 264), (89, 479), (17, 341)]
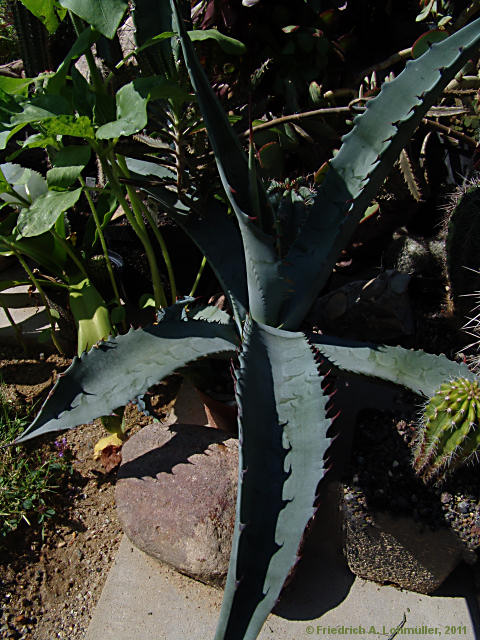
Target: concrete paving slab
[(144, 600), (26, 309)]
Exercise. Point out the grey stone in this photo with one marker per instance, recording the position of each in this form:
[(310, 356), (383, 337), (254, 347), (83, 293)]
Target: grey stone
[(176, 494), (399, 551), (463, 507)]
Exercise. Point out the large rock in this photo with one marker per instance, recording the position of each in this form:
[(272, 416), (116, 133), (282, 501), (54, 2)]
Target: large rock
[(176, 494), (399, 551)]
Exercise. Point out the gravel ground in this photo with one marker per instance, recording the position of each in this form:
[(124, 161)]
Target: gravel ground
[(49, 586), (380, 478)]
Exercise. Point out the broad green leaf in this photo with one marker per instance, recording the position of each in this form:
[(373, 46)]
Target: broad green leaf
[(122, 368), (47, 11), (43, 213), (84, 98), (27, 183), (68, 164), (90, 313), (37, 140), (104, 15), (146, 168), (78, 127), (8, 133), (229, 45), (41, 108), (131, 114), (132, 102), (166, 35), (83, 42), (155, 87), (15, 86), (283, 434)]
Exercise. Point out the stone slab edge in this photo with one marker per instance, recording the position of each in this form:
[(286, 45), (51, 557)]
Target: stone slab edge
[(144, 600)]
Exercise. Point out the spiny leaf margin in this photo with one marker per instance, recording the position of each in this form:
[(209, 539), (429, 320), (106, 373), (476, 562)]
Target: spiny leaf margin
[(143, 357), (283, 438)]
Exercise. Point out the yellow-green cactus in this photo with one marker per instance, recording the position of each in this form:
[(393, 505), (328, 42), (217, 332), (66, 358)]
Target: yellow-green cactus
[(450, 434)]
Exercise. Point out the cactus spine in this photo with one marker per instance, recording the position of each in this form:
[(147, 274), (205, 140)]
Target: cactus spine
[(450, 435)]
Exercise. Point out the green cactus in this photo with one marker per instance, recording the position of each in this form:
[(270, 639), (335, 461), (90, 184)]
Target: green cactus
[(449, 435), (463, 244), (284, 430)]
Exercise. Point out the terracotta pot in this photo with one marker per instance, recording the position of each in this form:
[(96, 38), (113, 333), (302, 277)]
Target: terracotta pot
[(193, 406)]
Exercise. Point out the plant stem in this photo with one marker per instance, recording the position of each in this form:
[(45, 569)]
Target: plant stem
[(101, 237), (457, 135), (199, 275), (134, 217), (69, 251), (15, 326), (44, 299), (95, 76), (158, 235)]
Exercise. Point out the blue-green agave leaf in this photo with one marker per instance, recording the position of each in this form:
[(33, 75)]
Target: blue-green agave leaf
[(283, 436), (363, 162), (120, 369), (226, 258), (267, 290), (421, 372)]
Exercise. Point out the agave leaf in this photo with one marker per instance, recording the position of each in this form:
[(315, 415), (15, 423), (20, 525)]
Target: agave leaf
[(121, 368), (363, 162), (266, 290), (226, 257), (283, 442), (421, 372)]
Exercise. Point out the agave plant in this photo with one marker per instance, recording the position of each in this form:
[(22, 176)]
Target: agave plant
[(271, 267)]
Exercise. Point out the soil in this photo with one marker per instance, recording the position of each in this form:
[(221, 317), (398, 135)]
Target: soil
[(380, 478), (50, 584)]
